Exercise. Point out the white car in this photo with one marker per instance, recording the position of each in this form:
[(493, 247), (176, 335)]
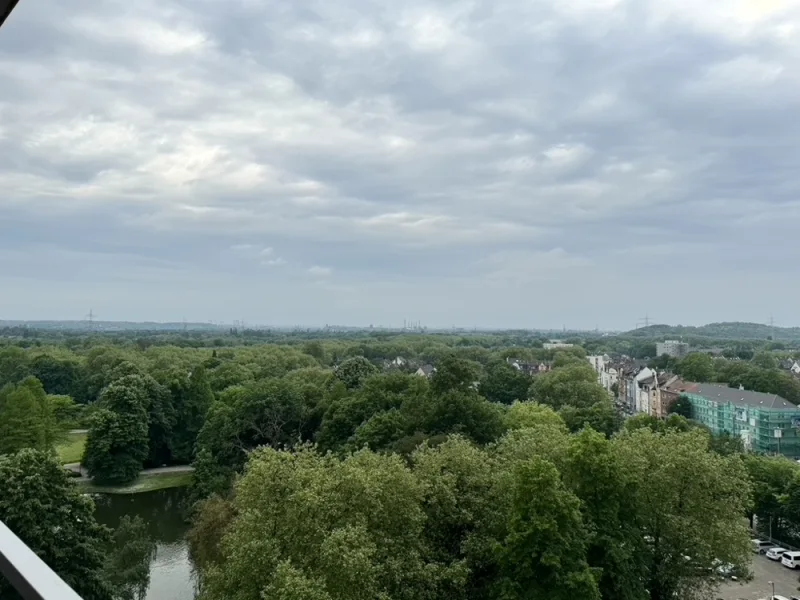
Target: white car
[(791, 560), (776, 553), (760, 546)]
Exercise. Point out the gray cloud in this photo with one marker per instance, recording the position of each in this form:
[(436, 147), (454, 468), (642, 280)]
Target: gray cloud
[(498, 163)]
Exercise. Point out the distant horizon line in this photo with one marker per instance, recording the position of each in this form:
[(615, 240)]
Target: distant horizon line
[(88, 323)]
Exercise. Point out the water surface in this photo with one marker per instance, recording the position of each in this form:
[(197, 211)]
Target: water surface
[(171, 576)]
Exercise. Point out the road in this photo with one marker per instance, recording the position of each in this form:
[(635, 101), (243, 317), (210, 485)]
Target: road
[(764, 571), (144, 473)]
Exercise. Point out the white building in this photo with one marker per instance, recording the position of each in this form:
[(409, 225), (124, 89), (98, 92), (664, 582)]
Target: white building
[(556, 344), (672, 348), (607, 376)]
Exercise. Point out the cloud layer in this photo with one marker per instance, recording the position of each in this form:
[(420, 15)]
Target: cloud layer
[(481, 162)]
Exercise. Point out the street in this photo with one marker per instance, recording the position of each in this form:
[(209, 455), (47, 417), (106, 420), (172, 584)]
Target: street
[(764, 571)]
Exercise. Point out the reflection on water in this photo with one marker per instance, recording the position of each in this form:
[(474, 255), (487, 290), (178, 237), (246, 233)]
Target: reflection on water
[(171, 576)]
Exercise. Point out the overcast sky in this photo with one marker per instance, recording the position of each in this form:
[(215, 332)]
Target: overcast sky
[(518, 163)]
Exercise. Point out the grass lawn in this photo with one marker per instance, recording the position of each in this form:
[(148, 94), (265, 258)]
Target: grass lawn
[(145, 483), (71, 449)]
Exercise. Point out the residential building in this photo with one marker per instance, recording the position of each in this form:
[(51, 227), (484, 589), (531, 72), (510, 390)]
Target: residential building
[(426, 371), (671, 389), (607, 375), (556, 344), (765, 422), (639, 391), (672, 348)]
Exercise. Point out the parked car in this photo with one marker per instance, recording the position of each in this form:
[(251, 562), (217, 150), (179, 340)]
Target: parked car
[(760, 546), (724, 570), (776, 553), (791, 560)]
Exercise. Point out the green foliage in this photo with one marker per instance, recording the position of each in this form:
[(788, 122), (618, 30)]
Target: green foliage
[(45, 509), (467, 413), (26, 417), (311, 524), (58, 376), (454, 374), (573, 385), (615, 547), (600, 416), (504, 384), (117, 443), (682, 406), (191, 398), (213, 516), (353, 371), (726, 444), (127, 567), (765, 360), (697, 366), (773, 481), (523, 415), (543, 555), (689, 502)]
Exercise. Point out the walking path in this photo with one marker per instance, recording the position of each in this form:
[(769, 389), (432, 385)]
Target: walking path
[(145, 472)]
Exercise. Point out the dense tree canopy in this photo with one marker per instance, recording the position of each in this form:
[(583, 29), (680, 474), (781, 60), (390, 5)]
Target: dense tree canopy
[(326, 468), (27, 417), (117, 444), (40, 504)]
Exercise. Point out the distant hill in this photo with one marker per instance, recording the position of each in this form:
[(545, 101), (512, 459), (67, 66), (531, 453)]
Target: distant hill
[(719, 331)]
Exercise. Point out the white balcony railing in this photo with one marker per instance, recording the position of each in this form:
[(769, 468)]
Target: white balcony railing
[(27, 573)]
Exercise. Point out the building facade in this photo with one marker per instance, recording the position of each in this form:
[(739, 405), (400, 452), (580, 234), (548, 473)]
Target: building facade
[(765, 422), (556, 344), (672, 348), (607, 376)]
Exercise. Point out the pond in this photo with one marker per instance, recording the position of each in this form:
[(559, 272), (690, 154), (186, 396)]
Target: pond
[(171, 576)]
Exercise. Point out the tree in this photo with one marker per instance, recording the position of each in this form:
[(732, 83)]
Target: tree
[(770, 477), (697, 366), (213, 516), (522, 415), (40, 504), (353, 371), (687, 501), (117, 442), (127, 567), (726, 444), (504, 384), (467, 413), (544, 553), (58, 377), (269, 413), (615, 547), (454, 374), (26, 417), (765, 360), (601, 416), (161, 421), (316, 526), (573, 385), (346, 412), (682, 406), (191, 399), (316, 350)]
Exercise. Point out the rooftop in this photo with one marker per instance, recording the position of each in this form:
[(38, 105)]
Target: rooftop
[(722, 393)]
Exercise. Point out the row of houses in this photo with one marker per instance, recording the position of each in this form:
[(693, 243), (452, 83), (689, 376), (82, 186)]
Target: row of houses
[(766, 423)]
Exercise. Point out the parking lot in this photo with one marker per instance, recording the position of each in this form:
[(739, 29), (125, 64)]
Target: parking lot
[(764, 571)]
